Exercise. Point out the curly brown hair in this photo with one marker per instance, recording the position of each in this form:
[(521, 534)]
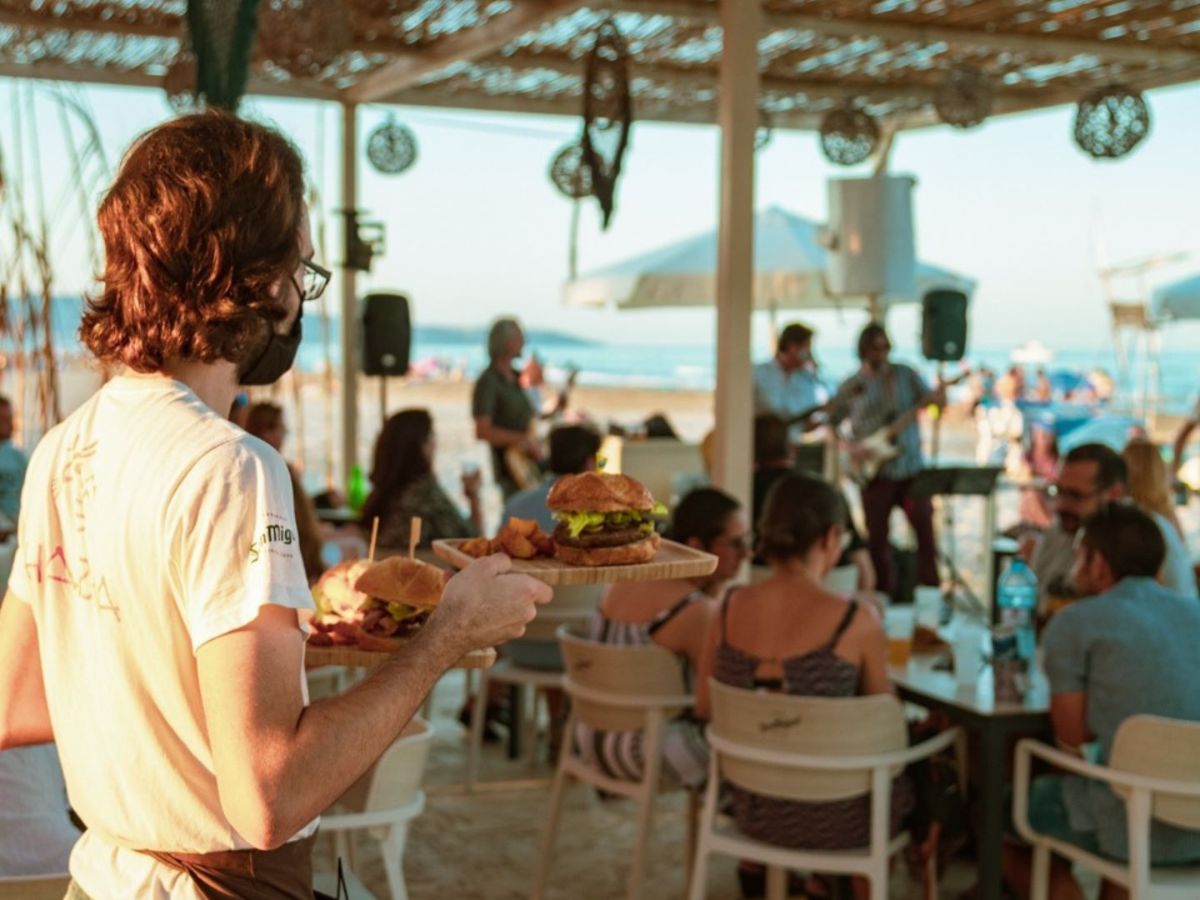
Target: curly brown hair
[(200, 224)]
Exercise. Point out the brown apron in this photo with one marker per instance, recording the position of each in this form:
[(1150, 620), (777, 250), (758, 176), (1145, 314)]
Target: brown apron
[(284, 873)]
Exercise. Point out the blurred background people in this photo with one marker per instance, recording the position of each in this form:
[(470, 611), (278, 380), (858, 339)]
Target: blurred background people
[(403, 486), (1150, 481), (502, 410), (12, 470), (265, 422)]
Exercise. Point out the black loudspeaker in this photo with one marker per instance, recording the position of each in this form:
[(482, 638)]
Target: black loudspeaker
[(944, 325), (386, 334)]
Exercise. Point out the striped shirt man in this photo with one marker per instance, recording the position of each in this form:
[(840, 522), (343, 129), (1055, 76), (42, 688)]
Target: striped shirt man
[(876, 399)]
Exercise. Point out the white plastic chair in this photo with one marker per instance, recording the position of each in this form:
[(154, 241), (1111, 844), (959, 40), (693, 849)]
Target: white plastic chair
[(656, 463), (572, 604), (615, 688), (1155, 766), (34, 887), (383, 801), (814, 749)]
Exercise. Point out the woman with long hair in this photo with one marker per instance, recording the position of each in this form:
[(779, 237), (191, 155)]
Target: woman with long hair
[(790, 634), (676, 615), (404, 486), (1149, 480)]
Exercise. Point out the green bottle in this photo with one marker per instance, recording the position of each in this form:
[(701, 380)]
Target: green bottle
[(356, 489)]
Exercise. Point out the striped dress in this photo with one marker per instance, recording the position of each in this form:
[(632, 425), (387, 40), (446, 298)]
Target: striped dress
[(619, 754), (834, 825)]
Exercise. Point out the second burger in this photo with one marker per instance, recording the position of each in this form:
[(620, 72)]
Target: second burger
[(604, 520)]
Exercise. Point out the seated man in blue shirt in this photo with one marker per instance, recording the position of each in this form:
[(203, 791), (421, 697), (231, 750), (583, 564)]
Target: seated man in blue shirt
[(573, 450), (1129, 649)]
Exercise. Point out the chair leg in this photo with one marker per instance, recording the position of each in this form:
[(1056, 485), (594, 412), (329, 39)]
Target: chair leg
[(647, 795), (556, 798), (475, 739), (1039, 888), (776, 883), (693, 822), (879, 881), (392, 849), (698, 880), (531, 727)]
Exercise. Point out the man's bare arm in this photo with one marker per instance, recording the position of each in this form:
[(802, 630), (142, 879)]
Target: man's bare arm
[(280, 764), (1068, 716), (24, 718)]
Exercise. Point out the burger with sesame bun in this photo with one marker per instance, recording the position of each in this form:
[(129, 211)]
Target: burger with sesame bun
[(604, 520)]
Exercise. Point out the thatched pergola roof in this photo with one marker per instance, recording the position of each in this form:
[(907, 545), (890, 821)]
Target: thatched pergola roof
[(526, 55)]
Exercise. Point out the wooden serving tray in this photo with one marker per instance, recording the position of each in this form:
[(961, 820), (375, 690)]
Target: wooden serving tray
[(342, 655), (672, 561)]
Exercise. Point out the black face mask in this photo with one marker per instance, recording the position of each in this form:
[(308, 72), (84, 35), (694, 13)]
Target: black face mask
[(276, 357)]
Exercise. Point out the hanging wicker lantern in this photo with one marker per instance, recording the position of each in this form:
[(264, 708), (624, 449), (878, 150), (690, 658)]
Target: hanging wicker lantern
[(303, 37), (965, 98), (1111, 121), (392, 148), (848, 136), (180, 84), (607, 114), (569, 174)]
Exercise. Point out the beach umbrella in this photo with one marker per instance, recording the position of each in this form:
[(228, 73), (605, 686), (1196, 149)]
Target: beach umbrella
[(789, 262), (1178, 300)]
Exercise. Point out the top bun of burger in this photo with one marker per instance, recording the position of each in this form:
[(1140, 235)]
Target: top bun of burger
[(399, 579), (597, 492), (603, 520)]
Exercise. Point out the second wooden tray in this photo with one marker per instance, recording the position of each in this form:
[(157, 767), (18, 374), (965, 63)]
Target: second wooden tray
[(672, 561)]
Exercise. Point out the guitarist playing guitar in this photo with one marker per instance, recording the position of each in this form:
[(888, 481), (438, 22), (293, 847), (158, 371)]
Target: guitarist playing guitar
[(788, 385), (501, 409), (886, 396)]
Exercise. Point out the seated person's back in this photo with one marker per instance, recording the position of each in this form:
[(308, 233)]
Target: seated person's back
[(675, 615), (1129, 649), (789, 634)]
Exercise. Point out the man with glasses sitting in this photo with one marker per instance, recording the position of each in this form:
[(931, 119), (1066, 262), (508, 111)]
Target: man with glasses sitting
[(1089, 476)]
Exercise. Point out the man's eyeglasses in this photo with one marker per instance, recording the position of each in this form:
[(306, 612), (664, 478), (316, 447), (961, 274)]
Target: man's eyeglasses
[(316, 278), (1056, 492)]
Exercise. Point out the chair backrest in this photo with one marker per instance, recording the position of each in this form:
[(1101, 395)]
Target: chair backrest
[(395, 778), (809, 726), (657, 462), (623, 673), (34, 887), (1161, 748), (573, 603), (841, 580)]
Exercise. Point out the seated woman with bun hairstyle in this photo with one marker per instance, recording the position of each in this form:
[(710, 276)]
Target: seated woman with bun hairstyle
[(788, 633), (676, 615)]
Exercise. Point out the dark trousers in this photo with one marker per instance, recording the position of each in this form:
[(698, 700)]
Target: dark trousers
[(879, 498)]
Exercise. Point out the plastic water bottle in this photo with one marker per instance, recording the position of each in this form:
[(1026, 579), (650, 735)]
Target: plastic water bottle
[(1016, 597)]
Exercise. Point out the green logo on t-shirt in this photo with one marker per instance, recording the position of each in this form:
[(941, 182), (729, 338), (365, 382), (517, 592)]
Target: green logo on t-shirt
[(272, 534)]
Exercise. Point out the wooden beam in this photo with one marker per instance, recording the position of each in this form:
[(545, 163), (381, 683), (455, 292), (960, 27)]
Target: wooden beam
[(464, 46), (138, 78), (570, 107), (1041, 45)]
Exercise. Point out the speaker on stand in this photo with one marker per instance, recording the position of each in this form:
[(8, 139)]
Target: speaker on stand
[(386, 340), (943, 337)]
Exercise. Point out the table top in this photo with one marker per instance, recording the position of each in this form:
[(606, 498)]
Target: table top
[(920, 679)]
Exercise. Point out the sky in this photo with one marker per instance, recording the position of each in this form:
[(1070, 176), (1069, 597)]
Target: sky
[(475, 230)]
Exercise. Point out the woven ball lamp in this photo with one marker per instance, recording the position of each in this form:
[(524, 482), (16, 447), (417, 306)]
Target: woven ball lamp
[(848, 136), (964, 99), (1111, 121)]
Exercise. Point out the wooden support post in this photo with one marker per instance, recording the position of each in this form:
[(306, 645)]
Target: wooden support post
[(738, 117)]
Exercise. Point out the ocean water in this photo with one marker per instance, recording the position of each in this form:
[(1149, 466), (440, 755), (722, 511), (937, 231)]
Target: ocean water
[(439, 350)]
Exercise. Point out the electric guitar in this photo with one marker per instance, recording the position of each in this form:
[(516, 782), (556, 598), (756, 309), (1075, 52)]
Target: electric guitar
[(871, 453), (522, 469)]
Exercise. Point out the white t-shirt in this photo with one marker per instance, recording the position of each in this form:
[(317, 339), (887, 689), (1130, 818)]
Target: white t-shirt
[(152, 525)]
